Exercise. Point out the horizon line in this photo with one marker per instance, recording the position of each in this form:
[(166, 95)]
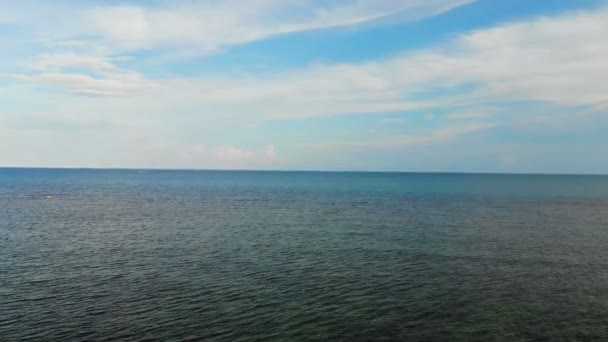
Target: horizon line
[(301, 170)]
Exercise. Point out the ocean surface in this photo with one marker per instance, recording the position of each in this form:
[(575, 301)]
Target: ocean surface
[(301, 256)]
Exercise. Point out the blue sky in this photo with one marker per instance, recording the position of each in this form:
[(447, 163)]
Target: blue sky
[(393, 85)]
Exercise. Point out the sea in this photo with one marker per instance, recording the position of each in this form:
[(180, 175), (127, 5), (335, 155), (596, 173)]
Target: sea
[(133, 255)]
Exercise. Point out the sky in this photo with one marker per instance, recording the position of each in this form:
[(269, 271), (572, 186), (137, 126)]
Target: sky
[(375, 85)]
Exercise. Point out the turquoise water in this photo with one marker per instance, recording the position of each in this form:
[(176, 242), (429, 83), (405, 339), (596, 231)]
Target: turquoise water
[(301, 256)]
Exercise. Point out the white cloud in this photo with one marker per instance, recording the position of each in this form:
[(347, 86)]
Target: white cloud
[(110, 85), (59, 61), (89, 75), (210, 25), (558, 60), (520, 61)]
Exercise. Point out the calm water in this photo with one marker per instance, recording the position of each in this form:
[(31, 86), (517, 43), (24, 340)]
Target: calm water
[(277, 256)]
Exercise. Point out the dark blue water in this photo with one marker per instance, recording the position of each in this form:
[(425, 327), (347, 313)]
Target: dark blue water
[(296, 256)]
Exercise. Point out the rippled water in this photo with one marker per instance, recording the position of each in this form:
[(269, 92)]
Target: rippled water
[(277, 256)]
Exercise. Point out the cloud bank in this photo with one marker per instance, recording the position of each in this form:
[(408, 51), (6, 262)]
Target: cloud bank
[(91, 71)]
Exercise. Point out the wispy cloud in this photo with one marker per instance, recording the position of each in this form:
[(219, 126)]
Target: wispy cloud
[(198, 27), (82, 51), (520, 61), (59, 61), (212, 25), (88, 75), (110, 85)]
